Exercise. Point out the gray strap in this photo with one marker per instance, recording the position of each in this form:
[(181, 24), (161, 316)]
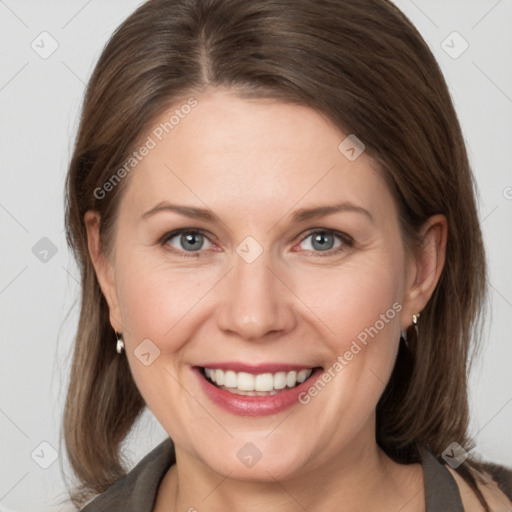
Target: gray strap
[(441, 490)]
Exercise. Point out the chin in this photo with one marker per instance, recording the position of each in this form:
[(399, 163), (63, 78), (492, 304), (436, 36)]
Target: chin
[(258, 462)]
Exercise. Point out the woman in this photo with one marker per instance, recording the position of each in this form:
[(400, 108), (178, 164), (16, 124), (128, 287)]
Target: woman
[(273, 212)]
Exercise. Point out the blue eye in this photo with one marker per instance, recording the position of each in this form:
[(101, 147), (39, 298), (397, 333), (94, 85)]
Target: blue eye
[(323, 240), (190, 240)]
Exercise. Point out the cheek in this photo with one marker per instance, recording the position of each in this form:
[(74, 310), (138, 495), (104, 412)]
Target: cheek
[(158, 301), (359, 298), (360, 305), (157, 304)]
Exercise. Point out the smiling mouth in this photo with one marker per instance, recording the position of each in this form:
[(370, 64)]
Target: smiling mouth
[(261, 384)]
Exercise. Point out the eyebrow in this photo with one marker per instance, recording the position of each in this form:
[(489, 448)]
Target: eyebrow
[(299, 215)]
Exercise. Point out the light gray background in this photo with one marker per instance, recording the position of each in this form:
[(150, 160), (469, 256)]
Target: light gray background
[(40, 101)]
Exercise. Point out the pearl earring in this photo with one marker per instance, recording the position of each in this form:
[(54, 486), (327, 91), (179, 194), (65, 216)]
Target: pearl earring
[(415, 322), (120, 343)]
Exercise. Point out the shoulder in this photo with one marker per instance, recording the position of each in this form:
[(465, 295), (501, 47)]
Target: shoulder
[(496, 489), (138, 488)]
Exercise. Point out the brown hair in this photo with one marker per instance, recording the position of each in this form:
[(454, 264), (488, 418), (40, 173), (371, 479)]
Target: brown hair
[(362, 64)]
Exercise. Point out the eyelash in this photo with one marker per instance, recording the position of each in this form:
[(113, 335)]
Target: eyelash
[(346, 239)]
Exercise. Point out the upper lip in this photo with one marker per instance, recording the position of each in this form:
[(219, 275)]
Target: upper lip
[(256, 368)]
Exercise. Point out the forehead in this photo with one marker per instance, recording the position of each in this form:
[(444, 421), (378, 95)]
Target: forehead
[(248, 157)]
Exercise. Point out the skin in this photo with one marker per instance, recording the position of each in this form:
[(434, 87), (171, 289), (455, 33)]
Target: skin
[(254, 163), (496, 499)]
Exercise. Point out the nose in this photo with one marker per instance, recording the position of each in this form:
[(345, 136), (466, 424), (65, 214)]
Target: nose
[(256, 301)]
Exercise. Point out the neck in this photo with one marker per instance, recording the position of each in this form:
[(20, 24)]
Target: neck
[(361, 477)]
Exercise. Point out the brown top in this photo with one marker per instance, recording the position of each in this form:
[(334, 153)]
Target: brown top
[(137, 491)]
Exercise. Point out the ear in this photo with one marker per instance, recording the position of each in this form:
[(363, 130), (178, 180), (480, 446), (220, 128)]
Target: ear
[(425, 267), (103, 267)]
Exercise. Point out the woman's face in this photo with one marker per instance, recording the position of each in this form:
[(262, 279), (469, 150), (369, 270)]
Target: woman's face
[(261, 288)]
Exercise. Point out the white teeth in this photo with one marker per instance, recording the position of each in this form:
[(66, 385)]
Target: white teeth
[(236, 391), (250, 384), (244, 381), (303, 375), (219, 377), (280, 380), (291, 379), (230, 379), (264, 382)]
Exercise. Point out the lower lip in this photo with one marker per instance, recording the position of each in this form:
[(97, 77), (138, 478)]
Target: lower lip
[(244, 405)]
